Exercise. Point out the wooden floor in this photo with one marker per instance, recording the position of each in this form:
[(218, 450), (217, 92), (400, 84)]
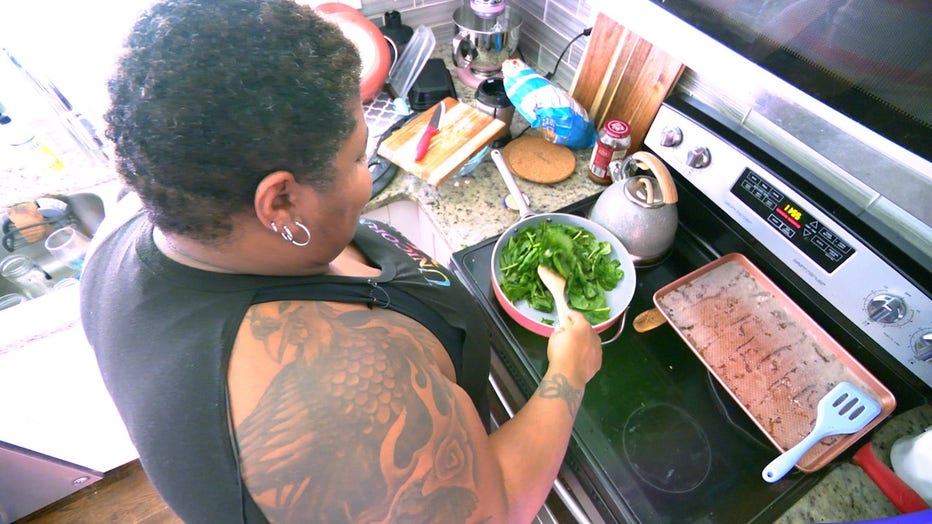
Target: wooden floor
[(127, 497), (124, 496)]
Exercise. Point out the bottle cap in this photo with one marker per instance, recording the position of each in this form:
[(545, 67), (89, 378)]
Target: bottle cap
[(617, 128)]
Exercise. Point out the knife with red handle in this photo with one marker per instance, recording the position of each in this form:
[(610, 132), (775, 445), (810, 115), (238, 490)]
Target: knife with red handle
[(433, 127)]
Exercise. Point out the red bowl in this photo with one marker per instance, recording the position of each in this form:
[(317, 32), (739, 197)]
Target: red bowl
[(369, 41), (543, 323)]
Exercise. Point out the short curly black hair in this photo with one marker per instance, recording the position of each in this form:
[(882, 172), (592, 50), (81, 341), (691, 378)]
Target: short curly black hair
[(213, 95)]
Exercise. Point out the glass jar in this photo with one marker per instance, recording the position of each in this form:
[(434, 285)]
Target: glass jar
[(31, 279), (12, 299), (66, 282), (612, 144)]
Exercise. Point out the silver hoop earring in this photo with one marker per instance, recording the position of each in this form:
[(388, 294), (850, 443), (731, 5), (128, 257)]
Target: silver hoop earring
[(287, 235)]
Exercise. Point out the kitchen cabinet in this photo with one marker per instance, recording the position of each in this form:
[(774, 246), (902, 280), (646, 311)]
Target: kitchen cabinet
[(407, 217), (31, 481), (58, 424)]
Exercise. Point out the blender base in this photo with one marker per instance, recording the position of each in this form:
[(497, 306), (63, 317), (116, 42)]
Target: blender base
[(472, 78)]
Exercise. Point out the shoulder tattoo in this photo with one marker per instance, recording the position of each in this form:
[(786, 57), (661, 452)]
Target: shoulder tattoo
[(358, 425)]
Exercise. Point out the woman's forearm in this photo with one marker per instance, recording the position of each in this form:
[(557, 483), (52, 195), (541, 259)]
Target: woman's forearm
[(531, 446)]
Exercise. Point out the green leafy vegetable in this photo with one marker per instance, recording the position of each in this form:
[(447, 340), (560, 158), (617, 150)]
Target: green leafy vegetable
[(584, 261)]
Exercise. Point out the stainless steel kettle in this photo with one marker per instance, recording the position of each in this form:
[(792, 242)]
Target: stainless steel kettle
[(640, 209)]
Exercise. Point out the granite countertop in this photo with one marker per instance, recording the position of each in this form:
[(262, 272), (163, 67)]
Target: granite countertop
[(468, 209)]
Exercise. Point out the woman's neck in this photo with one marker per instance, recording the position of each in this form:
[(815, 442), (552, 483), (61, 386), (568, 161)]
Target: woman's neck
[(189, 255), (187, 252)]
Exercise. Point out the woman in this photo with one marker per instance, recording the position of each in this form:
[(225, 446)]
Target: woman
[(274, 356)]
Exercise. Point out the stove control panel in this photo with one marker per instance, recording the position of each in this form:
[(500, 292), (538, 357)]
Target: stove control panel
[(867, 290)]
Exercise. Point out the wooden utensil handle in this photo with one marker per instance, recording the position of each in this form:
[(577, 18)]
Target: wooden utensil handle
[(656, 166), (648, 320)]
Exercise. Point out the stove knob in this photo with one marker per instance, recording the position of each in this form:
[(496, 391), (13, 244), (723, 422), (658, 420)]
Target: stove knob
[(923, 347), (698, 158), (671, 136), (886, 309)]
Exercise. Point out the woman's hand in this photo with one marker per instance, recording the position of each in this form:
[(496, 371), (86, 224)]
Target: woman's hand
[(575, 349)]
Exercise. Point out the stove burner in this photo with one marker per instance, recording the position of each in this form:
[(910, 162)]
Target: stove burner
[(667, 448)]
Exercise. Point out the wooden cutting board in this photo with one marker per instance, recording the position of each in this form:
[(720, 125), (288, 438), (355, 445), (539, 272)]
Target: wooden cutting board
[(623, 76), (464, 130)]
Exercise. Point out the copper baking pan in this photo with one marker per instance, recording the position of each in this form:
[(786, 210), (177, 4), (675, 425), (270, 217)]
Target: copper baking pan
[(770, 356)]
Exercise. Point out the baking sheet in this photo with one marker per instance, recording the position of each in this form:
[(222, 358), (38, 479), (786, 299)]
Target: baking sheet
[(770, 356)]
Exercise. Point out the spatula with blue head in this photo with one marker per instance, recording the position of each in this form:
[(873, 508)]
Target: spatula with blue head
[(843, 410)]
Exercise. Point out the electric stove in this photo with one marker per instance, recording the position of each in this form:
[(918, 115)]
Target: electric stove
[(657, 439)]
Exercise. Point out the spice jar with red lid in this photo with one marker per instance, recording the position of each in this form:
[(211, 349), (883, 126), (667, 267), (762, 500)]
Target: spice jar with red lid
[(612, 144)]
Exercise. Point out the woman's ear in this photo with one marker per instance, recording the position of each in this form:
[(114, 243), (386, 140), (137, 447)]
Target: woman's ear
[(275, 195)]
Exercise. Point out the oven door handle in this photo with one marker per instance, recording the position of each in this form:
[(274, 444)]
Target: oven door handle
[(562, 492)]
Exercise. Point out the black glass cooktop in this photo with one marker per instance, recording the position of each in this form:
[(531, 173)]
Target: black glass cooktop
[(656, 439)]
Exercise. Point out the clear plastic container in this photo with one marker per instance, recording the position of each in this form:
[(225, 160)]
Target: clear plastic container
[(406, 70)]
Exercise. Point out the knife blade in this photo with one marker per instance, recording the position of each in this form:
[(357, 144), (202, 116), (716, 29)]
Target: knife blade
[(433, 127)]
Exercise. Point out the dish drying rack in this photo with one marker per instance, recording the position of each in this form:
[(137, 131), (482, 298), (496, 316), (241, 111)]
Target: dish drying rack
[(57, 215)]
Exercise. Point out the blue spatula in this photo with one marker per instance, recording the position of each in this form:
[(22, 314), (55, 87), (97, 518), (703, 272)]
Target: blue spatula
[(843, 410)]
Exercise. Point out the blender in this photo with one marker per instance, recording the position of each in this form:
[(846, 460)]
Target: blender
[(487, 34)]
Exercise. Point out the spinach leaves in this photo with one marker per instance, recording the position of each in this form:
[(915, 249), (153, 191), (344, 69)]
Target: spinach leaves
[(584, 261)]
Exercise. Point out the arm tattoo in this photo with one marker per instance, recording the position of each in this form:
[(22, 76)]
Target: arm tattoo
[(559, 387), (345, 429)]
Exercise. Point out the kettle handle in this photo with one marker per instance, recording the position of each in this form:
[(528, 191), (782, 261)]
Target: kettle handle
[(655, 165), (648, 187)]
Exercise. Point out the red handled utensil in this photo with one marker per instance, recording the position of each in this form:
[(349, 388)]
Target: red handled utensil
[(903, 497), (433, 127)]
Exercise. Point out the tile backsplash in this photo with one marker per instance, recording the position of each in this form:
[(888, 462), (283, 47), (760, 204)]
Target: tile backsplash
[(549, 25)]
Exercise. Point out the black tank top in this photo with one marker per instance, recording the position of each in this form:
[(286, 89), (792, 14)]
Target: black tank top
[(163, 334)]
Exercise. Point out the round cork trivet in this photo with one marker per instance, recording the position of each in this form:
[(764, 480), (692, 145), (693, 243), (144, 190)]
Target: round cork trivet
[(538, 160)]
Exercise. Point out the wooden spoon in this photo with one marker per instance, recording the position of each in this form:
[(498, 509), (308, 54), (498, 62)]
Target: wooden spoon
[(556, 284)]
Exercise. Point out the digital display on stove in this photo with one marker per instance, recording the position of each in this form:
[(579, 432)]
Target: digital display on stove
[(810, 236)]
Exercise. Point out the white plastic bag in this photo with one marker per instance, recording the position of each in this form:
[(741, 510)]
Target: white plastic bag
[(547, 106)]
